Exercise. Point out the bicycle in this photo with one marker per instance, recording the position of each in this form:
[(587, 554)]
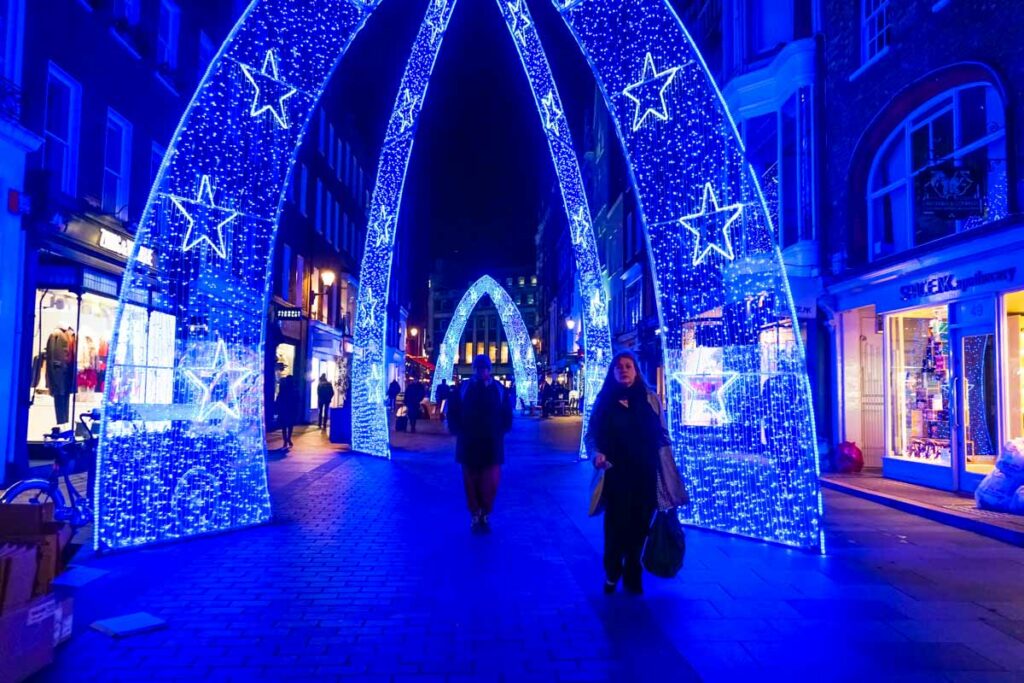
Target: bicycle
[(77, 510)]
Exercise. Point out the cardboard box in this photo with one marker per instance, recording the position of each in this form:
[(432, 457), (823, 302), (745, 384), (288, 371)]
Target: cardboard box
[(48, 543), (18, 570), (25, 518), (26, 639)]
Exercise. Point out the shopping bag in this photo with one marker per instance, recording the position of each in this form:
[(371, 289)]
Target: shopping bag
[(666, 545), (597, 493)]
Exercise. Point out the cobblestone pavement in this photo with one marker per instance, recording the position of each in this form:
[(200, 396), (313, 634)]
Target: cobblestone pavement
[(369, 573)]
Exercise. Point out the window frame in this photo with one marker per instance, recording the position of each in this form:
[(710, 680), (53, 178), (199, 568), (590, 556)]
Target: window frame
[(167, 46), (68, 182), (123, 174), (920, 118), (868, 36)]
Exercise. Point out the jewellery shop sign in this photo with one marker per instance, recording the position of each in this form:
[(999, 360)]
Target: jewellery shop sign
[(952, 284)]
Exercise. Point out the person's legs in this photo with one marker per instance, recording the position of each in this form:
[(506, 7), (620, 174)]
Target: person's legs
[(613, 551), (286, 434), (490, 477), (469, 482), (639, 525), (413, 415)]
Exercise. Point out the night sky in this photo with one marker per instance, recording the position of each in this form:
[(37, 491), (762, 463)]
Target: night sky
[(480, 169)]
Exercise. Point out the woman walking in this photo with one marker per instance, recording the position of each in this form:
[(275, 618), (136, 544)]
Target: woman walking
[(625, 437), (288, 404)]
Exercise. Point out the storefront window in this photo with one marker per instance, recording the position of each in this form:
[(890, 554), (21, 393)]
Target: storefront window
[(1013, 363), (284, 364), (920, 385)]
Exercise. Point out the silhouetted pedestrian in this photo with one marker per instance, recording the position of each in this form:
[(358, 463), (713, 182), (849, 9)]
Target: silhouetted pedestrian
[(626, 435), (394, 389), (414, 395), (480, 415), (288, 406), (324, 396), (441, 395)]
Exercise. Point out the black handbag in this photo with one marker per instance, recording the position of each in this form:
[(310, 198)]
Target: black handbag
[(666, 545)]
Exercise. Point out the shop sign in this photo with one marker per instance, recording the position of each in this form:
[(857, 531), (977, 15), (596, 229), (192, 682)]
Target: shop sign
[(942, 284), (949, 191), (122, 245), (288, 313)]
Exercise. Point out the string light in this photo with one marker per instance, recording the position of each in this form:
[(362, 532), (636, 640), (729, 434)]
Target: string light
[(196, 462), (738, 397), (520, 345), (369, 415)]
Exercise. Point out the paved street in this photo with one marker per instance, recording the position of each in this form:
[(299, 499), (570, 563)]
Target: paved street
[(369, 573)]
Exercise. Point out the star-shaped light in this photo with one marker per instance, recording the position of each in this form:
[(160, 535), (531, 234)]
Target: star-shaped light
[(578, 226), (521, 23), (649, 92), (202, 215), (219, 385), (368, 314), (274, 105), (598, 307), (690, 381), (699, 224), (382, 226), (551, 112), (407, 114)]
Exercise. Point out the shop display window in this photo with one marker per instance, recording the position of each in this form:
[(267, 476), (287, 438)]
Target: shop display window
[(322, 365), (1013, 364), (919, 369), (284, 364)]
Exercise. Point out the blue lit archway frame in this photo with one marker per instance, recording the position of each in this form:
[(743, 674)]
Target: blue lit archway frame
[(520, 346), (182, 449), (369, 415)]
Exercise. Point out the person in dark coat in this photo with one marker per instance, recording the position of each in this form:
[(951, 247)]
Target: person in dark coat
[(624, 436), (288, 404), (441, 395), (394, 389), (324, 396), (480, 414), (414, 394)]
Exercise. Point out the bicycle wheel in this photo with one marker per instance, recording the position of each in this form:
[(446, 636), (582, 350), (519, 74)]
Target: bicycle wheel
[(33, 492)]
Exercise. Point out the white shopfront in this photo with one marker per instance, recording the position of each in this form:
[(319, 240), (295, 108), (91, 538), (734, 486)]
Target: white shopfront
[(930, 359)]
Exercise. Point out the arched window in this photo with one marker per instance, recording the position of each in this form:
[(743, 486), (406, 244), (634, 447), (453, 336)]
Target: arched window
[(941, 171)]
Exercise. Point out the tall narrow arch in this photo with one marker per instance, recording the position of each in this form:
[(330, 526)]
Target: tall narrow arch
[(182, 441), (520, 345)]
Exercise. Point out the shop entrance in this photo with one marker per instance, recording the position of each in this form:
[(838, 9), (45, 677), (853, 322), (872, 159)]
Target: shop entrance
[(976, 392)]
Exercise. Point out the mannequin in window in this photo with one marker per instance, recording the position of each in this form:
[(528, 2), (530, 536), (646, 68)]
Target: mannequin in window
[(60, 370)]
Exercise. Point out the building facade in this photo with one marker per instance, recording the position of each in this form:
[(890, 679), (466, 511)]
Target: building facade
[(925, 241), (102, 86)]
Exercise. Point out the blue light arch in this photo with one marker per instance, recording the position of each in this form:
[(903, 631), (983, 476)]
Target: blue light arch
[(182, 446), (520, 345)]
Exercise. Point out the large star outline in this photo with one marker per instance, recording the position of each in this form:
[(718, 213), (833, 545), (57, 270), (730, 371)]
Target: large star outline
[(520, 20), (201, 216), (699, 225), (219, 384), (275, 105), (688, 380), (649, 92), (552, 112)]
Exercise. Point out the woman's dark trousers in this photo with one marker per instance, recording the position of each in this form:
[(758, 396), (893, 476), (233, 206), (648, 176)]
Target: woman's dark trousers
[(626, 522)]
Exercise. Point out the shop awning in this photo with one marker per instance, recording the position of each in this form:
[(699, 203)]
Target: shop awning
[(422, 361)]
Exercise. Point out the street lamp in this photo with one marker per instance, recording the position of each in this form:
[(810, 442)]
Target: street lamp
[(570, 324), (414, 332), (326, 281)]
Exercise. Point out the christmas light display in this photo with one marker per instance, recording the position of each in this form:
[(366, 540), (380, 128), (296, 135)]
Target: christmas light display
[(369, 416), (739, 406), (182, 447), (520, 346)]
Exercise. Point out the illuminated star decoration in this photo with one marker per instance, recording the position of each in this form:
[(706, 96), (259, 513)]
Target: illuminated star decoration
[(219, 384), (649, 92), (598, 307), (551, 112), (408, 112), (383, 227), (520, 20), (579, 226), (202, 216), (699, 224), (269, 73), (368, 316), (688, 381)]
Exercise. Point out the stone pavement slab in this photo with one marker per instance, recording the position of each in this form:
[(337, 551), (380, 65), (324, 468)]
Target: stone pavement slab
[(369, 573)]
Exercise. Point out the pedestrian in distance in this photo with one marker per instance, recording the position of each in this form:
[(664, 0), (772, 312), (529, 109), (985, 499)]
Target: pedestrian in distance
[(627, 438), (287, 405), (441, 395), (480, 414), (414, 395), (324, 396), (394, 389)]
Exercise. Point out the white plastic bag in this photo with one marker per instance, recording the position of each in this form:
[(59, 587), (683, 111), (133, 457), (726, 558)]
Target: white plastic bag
[(1017, 502), (994, 492), (1011, 461)]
